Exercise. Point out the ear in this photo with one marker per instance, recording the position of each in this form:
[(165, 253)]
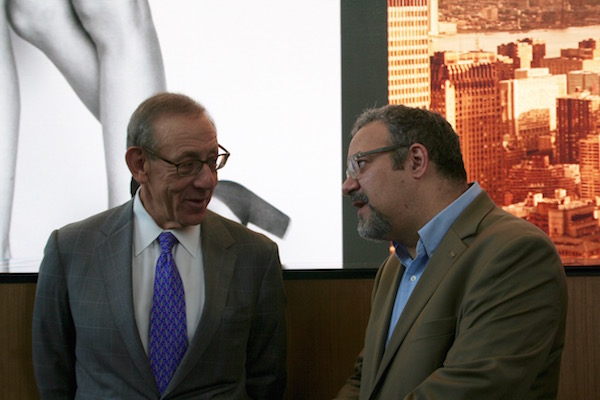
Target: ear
[(136, 161), (418, 160)]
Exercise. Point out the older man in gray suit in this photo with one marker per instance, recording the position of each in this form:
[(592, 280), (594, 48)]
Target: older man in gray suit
[(119, 314)]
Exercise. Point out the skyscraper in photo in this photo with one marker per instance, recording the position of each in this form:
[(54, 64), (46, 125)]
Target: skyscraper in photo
[(589, 157), (578, 115), (464, 88), (583, 81), (409, 27), (520, 51), (528, 109)]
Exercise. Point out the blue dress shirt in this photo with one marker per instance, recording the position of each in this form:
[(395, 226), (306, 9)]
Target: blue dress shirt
[(430, 236)]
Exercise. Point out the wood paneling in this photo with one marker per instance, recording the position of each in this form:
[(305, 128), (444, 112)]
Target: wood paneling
[(326, 323), (580, 368), (16, 367)]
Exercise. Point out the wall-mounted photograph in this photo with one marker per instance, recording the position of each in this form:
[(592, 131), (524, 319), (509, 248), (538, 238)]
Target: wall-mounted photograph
[(518, 80), (520, 83), (267, 72)]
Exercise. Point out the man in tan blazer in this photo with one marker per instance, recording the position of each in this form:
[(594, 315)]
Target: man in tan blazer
[(95, 287), (472, 305)]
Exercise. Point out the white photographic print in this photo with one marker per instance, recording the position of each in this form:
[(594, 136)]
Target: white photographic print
[(267, 72)]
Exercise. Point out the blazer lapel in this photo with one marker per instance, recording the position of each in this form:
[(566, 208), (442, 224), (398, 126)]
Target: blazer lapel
[(442, 261), (219, 265), (392, 271), (114, 259), (437, 268)]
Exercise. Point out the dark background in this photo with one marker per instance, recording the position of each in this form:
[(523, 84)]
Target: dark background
[(364, 85)]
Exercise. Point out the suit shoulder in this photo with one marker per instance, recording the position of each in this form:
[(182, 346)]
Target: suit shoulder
[(500, 228), (97, 221), (502, 220)]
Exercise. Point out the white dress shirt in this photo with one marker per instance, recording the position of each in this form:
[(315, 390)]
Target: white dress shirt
[(188, 257)]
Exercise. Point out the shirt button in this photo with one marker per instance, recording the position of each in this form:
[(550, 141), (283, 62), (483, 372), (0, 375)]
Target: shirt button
[(413, 278)]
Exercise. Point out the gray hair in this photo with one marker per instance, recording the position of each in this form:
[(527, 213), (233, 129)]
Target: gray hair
[(140, 130), (408, 125)]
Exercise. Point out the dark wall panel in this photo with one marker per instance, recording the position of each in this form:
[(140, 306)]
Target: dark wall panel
[(326, 322), (364, 85)]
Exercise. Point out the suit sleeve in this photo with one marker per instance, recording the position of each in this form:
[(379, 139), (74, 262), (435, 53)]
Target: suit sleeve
[(351, 390), (510, 327), (266, 352), (53, 329)]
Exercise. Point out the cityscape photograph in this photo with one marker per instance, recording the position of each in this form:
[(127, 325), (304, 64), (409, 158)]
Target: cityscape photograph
[(520, 83)]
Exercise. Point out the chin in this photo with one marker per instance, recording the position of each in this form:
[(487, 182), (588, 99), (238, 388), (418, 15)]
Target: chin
[(367, 234), (193, 219), (372, 238), (373, 233)]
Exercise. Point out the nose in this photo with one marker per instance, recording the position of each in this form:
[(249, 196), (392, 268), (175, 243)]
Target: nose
[(205, 178), (349, 185)]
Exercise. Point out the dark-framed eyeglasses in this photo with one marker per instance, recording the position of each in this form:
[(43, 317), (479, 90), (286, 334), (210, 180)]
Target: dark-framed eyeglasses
[(193, 167), (353, 165)]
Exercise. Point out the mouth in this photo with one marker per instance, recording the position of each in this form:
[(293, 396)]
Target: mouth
[(359, 200), (198, 203), (359, 204)]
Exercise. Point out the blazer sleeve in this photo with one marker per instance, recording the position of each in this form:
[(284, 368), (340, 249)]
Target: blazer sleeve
[(351, 390), (53, 328), (266, 352)]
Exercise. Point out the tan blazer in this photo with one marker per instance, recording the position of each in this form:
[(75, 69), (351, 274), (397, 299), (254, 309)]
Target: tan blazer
[(85, 340), (485, 321)]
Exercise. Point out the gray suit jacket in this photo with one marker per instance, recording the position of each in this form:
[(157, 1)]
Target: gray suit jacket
[(85, 339), (485, 321)]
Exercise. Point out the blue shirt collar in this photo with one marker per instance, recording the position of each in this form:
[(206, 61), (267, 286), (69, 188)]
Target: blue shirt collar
[(432, 233)]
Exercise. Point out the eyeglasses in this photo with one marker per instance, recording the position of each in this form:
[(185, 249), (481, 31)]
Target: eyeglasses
[(193, 167), (353, 164)]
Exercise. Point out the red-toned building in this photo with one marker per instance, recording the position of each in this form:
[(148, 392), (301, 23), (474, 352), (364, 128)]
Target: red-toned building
[(464, 88)]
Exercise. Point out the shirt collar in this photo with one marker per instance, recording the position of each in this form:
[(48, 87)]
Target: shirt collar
[(146, 231), (432, 233)]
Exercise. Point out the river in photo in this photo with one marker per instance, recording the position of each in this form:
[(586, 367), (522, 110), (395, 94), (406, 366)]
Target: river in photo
[(556, 39)]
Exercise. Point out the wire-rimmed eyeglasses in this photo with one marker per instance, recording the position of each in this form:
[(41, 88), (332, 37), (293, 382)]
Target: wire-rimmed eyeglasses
[(353, 166), (192, 167)]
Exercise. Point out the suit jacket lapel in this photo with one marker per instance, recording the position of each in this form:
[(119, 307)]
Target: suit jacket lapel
[(113, 256), (437, 268), (444, 257), (393, 274), (219, 266)]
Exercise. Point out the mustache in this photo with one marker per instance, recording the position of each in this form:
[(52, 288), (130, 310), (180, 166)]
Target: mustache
[(359, 197)]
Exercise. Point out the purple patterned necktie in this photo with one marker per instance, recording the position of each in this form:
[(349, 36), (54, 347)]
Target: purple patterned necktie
[(167, 340)]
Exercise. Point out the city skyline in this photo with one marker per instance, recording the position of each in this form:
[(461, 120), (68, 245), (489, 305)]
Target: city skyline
[(515, 15), (529, 126)]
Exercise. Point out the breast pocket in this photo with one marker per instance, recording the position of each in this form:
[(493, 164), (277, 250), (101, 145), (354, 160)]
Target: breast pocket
[(432, 340), (434, 329), (235, 325)]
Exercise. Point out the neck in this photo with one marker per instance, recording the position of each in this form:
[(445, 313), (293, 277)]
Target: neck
[(443, 194)]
